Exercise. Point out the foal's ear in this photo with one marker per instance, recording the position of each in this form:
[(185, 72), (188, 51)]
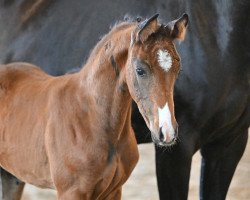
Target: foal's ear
[(177, 28), (147, 27)]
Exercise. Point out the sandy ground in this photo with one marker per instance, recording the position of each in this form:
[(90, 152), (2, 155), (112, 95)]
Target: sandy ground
[(142, 184)]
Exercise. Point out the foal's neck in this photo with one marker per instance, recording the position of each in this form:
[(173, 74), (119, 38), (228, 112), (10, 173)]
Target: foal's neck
[(105, 80)]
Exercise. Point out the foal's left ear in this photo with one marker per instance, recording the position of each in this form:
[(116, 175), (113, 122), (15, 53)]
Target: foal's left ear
[(146, 28), (177, 28)]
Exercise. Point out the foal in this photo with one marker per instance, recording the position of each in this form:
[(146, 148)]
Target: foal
[(73, 133)]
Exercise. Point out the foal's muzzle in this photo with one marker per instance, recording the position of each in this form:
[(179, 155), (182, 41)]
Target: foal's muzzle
[(168, 138)]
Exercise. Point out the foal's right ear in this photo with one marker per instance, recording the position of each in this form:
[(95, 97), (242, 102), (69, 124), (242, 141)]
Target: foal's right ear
[(146, 28), (177, 28)]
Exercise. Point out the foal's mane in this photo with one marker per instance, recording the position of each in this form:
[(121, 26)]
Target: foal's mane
[(117, 40), (107, 39)]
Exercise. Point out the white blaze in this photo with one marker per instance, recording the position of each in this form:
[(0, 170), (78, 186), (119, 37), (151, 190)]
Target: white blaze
[(165, 122), (164, 59)]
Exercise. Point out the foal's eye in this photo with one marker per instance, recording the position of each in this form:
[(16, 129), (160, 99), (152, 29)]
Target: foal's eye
[(141, 72)]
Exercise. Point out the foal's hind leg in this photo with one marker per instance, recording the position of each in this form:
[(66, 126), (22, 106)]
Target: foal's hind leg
[(11, 188), (218, 165)]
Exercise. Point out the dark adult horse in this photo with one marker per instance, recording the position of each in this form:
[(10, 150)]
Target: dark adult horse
[(212, 92)]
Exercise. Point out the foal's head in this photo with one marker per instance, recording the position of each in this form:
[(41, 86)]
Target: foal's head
[(151, 70)]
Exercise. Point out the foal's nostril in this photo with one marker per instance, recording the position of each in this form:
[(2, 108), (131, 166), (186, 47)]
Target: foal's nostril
[(161, 135)]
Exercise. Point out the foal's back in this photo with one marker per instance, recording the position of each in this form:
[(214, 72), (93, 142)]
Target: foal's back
[(22, 85), (23, 80)]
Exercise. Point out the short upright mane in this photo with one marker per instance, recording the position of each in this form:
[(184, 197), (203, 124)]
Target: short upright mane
[(106, 41)]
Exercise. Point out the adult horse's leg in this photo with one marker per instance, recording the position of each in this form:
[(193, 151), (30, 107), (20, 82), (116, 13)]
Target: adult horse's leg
[(11, 187), (142, 133), (173, 169), (219, 162)]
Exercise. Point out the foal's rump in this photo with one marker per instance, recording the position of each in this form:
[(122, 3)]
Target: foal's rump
[(11, 74), (23, 102)]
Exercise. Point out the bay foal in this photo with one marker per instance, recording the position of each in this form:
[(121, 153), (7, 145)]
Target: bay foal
[(73, 133)]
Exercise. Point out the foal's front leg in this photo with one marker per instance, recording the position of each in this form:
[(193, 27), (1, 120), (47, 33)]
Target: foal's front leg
[(72, 194), (116, 194), (11, 188)]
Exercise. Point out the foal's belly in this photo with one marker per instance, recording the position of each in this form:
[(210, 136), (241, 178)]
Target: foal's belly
[(27, 161)]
